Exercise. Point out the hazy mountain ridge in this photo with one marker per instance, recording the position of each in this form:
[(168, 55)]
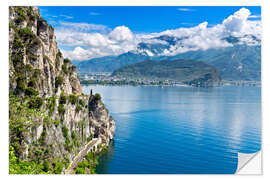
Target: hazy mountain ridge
[(186, 71), (239, 62)]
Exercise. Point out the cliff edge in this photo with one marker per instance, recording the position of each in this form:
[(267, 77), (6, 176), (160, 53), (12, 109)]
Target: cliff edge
[(50, 119)]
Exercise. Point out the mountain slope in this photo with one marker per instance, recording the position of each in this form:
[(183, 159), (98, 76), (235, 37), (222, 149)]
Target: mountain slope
[(50, 120), (233, 63), (186, 71)]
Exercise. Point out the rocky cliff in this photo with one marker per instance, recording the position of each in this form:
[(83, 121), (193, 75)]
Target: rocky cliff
[(50, 119)]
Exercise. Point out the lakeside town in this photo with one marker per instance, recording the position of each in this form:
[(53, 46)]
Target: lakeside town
[(105, 78)]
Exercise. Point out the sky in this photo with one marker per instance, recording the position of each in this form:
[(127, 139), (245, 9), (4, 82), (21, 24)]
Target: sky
[(85, 32)]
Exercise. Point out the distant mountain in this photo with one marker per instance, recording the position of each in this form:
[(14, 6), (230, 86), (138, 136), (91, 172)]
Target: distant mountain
[(110, 63), (234, 63), (238, 62), (186, 71)]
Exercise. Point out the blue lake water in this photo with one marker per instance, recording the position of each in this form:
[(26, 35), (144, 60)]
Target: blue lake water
[(175, 130)]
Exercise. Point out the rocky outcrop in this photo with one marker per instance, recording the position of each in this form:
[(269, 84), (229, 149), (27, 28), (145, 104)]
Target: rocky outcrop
[(35, 58), (41, 79)]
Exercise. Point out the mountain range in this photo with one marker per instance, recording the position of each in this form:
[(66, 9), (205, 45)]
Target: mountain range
[(240, 61), (186, 71)]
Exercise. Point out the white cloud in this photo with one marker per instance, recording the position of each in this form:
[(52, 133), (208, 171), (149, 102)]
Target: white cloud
[(237, 21), (66, 16), (121, 33), (185, 9), (93, 40), (94, 14), (254, 16), (118, 41)]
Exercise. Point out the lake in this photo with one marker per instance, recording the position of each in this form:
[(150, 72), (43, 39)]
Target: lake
[(176, 130)]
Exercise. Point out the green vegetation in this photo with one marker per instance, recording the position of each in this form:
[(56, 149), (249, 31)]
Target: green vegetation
[(89, 138), (59, 80), (65, 131), (64, 68), (35, 102), (58, 166), (82, 103), (18, 166), (51, 102), (97, 97), (56, 122), (78, 108), (61, 109), (59, 54), (28, 67), (63, 99), (36, 73), (30, 91), (26, 33), (21, 15), (24, 115), (21, 83), (66, 60), (179, 70), (90, 162), (88, 165), (73, 99)]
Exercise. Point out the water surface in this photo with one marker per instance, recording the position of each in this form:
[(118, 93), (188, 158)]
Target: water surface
[(180, 129)]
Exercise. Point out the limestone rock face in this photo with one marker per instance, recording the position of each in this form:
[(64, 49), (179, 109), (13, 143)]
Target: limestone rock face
[(37, 69), (34, 52)]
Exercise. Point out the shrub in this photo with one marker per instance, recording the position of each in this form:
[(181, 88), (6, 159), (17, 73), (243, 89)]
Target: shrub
[(104, 149), (97, 97), (21, 84), (59, 54), (21, 16), (67, 145), (64, 69), (17, 44), (58, 167), (89, 138), (61, 109), (21, 12), (65, 131), (51, 104), (66, 162), (73, 99), (73, 135), (63, 99), (28, 67), (66, 60), (30, 91), (35, 102), (79, 171), (59, 81), (78, 108), (36, 73), (56, 122), (46, 166), (26, 33), (82, 103)]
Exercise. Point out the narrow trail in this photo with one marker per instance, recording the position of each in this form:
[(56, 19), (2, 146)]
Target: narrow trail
[(81, 155)]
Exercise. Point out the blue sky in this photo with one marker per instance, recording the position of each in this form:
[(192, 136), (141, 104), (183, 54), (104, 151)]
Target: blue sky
[(86, 32), (142, 19)]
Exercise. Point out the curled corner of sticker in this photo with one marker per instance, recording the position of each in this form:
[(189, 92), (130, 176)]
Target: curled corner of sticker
[(249, 163)]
